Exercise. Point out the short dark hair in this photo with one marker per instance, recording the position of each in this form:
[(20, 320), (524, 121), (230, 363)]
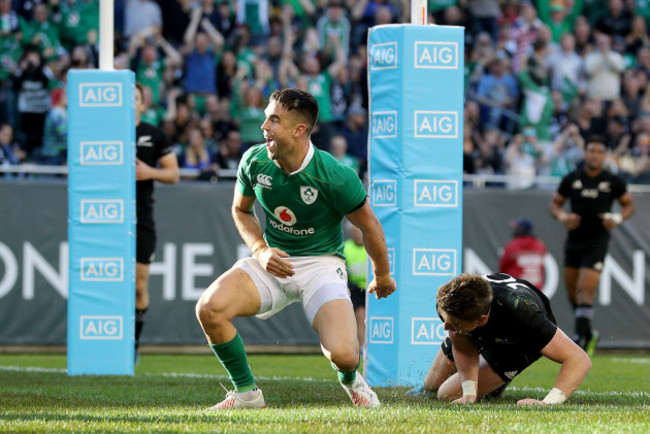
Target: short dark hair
[(539, 43), (594, 138), (465, 297), (301, 102)]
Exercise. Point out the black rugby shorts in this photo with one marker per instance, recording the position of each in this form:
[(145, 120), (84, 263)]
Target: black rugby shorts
[(145, 244), (586, 254)]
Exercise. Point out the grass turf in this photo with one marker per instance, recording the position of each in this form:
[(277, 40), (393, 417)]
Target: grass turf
[(170, 392)]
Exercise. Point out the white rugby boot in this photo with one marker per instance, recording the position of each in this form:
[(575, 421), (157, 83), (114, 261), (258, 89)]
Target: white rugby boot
[(361, 394), (241, 400)]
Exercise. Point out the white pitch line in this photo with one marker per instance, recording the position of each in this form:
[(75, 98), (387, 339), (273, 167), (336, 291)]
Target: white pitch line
[(257, 377), (31, 369), (172, 374), (631, 393), (642, 360)]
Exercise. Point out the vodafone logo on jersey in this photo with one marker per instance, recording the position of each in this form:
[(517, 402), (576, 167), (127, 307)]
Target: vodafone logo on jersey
[(285, 215), (287, 219)]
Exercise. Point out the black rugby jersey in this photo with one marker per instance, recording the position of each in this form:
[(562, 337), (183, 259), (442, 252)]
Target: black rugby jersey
[(150, 144), (520, 317), (589, 197)]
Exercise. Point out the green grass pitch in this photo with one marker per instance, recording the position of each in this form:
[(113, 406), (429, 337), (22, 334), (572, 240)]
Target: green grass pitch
[(169, 393)]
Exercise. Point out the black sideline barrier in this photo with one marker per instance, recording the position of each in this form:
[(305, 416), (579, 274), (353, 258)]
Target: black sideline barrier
[(197, 241)]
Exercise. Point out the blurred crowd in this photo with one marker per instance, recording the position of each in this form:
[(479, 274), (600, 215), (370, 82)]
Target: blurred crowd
[(540, 76)]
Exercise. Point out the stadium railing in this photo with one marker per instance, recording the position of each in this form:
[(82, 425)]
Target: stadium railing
[(477, 181)]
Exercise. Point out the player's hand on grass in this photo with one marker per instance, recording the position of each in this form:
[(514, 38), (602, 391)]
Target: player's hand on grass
[(271, 260), (530, 401), (382, 288), (466, 399)]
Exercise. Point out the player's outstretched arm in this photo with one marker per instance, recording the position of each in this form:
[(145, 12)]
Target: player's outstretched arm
[(382, 284), (575, 366), (466, 357)]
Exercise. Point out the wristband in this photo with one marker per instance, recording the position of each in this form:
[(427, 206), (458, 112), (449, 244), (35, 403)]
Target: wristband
[(469, 388), (562, 216), (555, 396), (257, 245), (383, 279), (616, 217)]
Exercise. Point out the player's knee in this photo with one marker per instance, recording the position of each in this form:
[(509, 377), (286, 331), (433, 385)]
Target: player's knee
[(210, 309), (448, 391), (346, 359), (585, 362), (445, 395)]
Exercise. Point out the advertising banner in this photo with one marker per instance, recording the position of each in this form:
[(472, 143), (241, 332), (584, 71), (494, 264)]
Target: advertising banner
[(101, 222), (415, 166), (194, 248)]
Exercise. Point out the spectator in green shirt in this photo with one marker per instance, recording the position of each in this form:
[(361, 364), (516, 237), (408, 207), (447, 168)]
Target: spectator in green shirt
[(75, 19), (559, 15), (251, 116), (10, 54), (334, 24), (339, 149), (149, 67), (42, 33)]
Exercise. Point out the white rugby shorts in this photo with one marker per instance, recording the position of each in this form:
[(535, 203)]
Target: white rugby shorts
[(317, 280)]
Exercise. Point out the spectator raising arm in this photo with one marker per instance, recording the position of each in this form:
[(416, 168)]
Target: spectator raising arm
[(191, 30), (216, 37), (173, 58)]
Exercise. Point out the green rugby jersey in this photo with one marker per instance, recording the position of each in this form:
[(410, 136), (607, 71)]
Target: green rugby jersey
[(304, 209)]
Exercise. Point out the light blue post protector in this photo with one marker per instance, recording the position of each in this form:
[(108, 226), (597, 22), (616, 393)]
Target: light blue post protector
[(415, 166), (101, 222)]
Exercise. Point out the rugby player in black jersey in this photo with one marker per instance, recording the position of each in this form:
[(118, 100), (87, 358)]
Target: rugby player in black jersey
[(155, 161), (591, 191), (498, 326)]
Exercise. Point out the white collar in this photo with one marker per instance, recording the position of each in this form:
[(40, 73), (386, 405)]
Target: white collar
[(305, 162), (308, 157)]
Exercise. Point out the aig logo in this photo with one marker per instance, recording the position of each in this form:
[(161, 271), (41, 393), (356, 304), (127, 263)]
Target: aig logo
[(264, 181), (384, 192), (434, 193), (101, 153), (383, 56), (434, 262), (427, 331), (101, 327), (100, 94), (384, 124), (436, 55), (102, 211), (435, 124), (381, 330), (102, 269)]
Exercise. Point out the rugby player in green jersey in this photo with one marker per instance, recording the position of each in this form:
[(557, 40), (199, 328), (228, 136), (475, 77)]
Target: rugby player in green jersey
[(305, 193)]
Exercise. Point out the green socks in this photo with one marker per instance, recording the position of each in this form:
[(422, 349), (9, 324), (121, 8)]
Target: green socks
[(346, 378), (232, 356)]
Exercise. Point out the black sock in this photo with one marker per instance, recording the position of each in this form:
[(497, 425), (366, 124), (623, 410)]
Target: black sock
[(583, 315), (139, 322)]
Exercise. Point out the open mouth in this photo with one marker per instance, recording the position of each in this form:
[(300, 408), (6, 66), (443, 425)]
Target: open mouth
[(270, 144)]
